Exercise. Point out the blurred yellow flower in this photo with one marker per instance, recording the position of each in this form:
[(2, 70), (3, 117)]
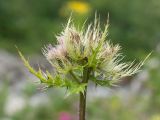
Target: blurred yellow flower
[(79, 6)]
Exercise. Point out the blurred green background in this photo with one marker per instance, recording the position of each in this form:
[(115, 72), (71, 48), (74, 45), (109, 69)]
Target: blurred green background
[(31, 24)]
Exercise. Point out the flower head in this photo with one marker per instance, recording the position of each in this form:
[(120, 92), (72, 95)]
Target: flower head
[(86, 48)]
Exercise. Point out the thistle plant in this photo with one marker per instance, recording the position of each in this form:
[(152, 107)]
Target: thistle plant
[(80, 56)]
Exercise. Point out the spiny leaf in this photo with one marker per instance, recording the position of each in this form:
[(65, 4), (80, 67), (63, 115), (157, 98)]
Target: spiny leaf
[(76, 88), (46, 78), (101, 82), (37, 74)]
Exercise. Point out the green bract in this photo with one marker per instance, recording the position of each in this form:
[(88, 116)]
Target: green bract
[(79, 52)]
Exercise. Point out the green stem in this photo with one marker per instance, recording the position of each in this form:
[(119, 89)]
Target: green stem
[(82, 103)]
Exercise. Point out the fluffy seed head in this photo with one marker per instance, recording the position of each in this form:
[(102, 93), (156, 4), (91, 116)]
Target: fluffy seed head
[(78, 51), (89, 47)]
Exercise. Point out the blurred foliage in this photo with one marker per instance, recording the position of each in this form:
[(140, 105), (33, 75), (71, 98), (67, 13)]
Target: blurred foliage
[(153, 82), (134, 23), (3, 97), (48, 111), (30, 24), (112, 108)]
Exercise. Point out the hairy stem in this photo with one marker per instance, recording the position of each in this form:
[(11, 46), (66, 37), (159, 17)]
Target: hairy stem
[(82, 102)]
